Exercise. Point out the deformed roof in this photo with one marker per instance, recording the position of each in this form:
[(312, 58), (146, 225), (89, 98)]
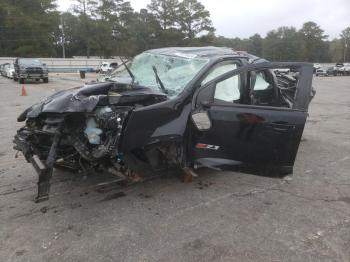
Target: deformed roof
[(205, 52)]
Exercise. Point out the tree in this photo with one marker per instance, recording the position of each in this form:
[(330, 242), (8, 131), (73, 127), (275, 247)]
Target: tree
[(272, 46), (86, 10), (85, 7), (255, 46), (336, 50), (107, 9), (313, 37), (145, 30), (165, 12), (345, 37), (194, 19), (234, 43), (27, 27), (283, 44), (111, 27), (124, 29)]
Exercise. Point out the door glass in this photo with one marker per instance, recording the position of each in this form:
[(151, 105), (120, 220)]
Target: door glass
[(226, 90), (219, 70)]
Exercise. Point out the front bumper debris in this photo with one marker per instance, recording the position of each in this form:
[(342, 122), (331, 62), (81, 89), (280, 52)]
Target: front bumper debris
[(43, 168)]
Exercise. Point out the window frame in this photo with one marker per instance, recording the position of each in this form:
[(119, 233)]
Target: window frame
[(300, 104), (217, 65)]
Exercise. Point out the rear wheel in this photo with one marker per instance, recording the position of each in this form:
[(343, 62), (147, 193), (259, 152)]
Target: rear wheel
[(46, 80), (15, 79)]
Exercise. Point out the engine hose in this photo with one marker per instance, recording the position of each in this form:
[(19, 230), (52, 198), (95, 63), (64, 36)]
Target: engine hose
[(97, 153)]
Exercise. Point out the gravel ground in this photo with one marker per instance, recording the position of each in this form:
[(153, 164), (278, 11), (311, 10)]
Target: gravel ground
[(220, 216)]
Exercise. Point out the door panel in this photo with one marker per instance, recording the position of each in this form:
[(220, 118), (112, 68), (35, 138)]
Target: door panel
[(252, 134)]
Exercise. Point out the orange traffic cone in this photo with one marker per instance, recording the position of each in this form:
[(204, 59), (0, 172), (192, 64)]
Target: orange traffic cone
[(24, 92)]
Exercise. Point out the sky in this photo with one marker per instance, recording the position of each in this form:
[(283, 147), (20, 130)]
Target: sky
[(244, 18)]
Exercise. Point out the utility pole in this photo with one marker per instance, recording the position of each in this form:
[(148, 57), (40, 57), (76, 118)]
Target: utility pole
[(61, 26)]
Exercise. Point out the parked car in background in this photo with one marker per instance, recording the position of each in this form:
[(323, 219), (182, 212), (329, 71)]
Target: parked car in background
[(3, 69), (30, 68), (107, 67), (337, 69), (10, 70), (345, 69), (316, 66), (331, 71), (322, 71)]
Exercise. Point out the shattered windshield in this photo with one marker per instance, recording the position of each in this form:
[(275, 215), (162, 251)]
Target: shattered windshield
[(175, 72)]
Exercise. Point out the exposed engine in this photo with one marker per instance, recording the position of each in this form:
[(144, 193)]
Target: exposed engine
[(97, 138), (85, 140)]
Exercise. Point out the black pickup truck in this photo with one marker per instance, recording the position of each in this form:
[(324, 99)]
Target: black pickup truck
[(30, 68), (182, 108)]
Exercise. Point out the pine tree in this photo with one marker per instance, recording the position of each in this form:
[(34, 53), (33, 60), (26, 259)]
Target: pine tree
[(165, 12), (314, 46), (345, 38), (194, 19)]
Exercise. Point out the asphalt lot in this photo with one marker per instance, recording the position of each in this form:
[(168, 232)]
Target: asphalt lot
[(220, 216)]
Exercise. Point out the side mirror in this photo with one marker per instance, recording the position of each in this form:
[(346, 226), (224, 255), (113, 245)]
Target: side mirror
[(201, 120)]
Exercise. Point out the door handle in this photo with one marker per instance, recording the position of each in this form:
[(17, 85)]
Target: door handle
[(282, 128)]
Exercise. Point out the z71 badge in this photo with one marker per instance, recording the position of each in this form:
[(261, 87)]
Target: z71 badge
[(206, 146)]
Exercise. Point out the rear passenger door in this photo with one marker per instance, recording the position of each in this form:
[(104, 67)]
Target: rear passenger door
[(239, 119)]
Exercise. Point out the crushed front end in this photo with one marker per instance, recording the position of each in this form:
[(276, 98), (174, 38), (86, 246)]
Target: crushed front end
[(80, 129)]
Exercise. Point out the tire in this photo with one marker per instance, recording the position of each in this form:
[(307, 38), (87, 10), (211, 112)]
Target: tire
[(46, 80), (15, 79), (21, 80)]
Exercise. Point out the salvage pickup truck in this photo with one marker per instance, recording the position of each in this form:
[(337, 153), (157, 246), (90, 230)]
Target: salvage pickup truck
[(185, 107), (30, 68)]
